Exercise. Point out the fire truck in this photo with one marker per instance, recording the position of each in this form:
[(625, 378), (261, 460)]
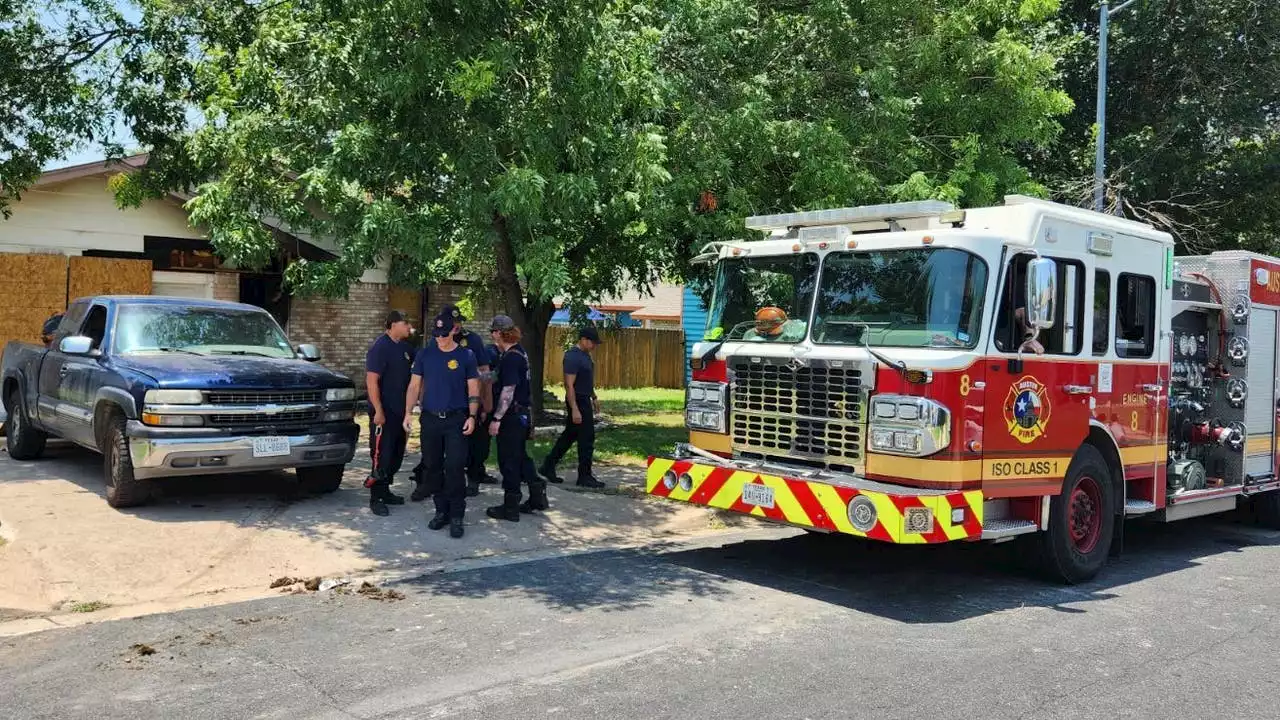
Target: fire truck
[(916, 373)]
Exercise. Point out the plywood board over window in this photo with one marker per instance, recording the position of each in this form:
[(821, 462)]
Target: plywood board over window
[(108, 276), (33, 288)]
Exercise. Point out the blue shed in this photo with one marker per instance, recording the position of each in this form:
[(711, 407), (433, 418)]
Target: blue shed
[(694, 322)]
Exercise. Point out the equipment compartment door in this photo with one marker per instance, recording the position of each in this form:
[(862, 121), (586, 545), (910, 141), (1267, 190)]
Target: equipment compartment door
[(1260, 404)]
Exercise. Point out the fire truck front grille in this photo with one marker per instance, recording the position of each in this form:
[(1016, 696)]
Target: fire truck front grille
[(815, 412)]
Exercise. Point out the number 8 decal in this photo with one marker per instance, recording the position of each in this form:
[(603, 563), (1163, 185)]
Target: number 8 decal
[(1133, 420), (964, 385)]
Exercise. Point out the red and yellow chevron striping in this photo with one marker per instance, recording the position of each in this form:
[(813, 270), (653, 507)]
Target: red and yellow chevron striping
[(824, 506)]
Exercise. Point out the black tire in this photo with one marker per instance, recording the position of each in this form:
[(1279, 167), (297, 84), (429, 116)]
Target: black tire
[(23, 441), (1267, 508), (123, 489), (321, 480), (1081, 520)]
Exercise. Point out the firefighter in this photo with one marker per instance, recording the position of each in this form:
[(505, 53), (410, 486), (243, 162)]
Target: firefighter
[(511, 423), (446, 381), (480, 443), (387, 366), (582, 406)]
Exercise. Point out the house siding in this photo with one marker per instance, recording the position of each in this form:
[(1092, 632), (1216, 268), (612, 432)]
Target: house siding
[(695, 325)]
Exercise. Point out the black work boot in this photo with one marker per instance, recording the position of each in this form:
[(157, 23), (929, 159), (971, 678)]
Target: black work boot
[(490, 479), (456, 529), (438, 522), (549, 473), (590, 482), (537, 498), (377, 506), (502, 512), (473, 489), (420, 493), (391, 498)]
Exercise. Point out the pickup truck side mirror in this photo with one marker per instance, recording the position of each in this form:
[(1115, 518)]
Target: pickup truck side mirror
[(308, 352), (76, 345)]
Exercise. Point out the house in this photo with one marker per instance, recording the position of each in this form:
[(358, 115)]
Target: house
[(66, 238), (662, 308)]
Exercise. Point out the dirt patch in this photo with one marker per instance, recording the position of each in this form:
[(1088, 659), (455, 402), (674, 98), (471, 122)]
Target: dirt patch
[(282, 582), (143, 649), (373, 592)]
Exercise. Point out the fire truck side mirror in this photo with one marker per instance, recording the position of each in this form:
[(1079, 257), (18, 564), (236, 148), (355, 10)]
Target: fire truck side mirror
[(1042, 289)]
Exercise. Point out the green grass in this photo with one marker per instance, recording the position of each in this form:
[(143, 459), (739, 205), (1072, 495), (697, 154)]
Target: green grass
[(88, 607), (647, 421)]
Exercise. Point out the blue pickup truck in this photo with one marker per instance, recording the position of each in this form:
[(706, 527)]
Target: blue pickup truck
[(171, 387)]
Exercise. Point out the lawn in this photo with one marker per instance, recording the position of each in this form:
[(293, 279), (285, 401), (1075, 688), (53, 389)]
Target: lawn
[(645, 421)]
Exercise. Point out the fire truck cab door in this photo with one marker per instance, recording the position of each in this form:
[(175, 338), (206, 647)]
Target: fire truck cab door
[(1037, 409)]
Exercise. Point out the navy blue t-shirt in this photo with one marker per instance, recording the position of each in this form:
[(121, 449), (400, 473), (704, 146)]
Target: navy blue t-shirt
[(444, 377), (578, 362), (513, 369), (392, 361), (475, 344)]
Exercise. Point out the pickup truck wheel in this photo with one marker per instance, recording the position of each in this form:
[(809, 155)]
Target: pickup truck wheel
[(323, 480), (23, 441), (123, 489)]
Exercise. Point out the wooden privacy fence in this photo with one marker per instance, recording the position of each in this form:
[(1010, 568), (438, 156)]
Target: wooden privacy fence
[(627, 357)]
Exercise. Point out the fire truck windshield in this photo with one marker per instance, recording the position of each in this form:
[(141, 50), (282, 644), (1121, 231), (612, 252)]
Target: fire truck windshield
[(763, 298), (911, 298)]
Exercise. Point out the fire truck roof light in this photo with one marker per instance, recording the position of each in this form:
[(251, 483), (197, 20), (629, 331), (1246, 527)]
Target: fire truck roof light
[(866, 213)]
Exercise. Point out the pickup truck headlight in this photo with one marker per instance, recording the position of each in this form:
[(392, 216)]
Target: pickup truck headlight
[(174, 397), (905, 425), (337, 394)]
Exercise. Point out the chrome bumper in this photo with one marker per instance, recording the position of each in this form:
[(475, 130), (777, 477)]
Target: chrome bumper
[(181, 456)]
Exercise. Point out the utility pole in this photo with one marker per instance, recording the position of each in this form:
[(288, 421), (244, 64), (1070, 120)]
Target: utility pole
[(1100, 158)]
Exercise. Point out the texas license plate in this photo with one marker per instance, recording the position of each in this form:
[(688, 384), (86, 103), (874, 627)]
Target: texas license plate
[(758, 495), (270, 446)]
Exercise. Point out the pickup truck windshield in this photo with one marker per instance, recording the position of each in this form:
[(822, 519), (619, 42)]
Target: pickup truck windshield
[(201, 330), (911, 298), (777, 291)]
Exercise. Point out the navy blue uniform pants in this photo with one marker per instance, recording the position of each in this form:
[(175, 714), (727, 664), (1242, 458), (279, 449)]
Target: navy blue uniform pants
[(387, 449), (479, 443), (444, 461), (584, 435), (513, 456)]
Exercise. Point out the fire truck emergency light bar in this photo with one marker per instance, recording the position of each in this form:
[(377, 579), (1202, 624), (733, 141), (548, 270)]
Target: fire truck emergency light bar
[(840, 216)]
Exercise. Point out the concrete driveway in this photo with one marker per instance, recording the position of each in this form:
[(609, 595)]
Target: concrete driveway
[(63, 551)]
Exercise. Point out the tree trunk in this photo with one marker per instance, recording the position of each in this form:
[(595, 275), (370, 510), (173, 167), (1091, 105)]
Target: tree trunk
[(532, 316)]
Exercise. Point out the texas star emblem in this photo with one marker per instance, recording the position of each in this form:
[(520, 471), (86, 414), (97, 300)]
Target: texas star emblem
[(1026, 410)]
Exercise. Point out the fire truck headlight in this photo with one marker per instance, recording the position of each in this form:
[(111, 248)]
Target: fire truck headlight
[(907, 425), (705, 418), (669, 479)]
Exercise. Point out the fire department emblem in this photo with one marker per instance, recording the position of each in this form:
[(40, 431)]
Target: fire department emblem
[(1026, 411), (453, 364)]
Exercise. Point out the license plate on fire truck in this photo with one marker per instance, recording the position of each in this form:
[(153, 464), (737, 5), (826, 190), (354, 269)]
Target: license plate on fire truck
[(758, 495)]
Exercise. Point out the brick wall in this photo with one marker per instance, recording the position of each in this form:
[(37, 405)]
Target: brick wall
[(341, 328), (226, 286)]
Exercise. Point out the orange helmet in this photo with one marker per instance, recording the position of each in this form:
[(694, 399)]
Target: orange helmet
[(769, 320)]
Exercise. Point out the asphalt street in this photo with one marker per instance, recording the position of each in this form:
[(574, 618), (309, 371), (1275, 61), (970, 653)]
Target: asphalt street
[(769, 624)]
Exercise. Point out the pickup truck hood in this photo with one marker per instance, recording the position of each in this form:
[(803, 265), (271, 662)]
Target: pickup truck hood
[(232, 372)]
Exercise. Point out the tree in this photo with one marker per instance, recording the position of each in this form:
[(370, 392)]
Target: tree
[(1193, 118), (570, 148), (56, 75)]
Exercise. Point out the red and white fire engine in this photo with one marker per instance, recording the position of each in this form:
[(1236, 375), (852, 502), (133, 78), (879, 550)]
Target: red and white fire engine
[(913, 373)]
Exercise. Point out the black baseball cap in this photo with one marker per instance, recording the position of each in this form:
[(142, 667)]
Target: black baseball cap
[(452, 311), (395, 316), (590, 334), (442, 326), (502, 322)]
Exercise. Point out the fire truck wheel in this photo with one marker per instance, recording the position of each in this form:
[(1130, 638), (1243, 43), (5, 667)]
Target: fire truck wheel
[(1267, 507), (1081, 520)]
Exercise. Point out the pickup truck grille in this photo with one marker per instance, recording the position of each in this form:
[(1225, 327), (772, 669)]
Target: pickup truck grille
[(265, 397), (285, 418), (813, 412)]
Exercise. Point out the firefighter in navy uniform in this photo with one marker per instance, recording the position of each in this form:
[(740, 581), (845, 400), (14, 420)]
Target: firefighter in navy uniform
[(511, 424), (478, 444), (387, 366), (446, 382), (582, 406)]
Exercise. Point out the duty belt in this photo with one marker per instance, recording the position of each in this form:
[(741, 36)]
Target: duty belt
[(446, 414)]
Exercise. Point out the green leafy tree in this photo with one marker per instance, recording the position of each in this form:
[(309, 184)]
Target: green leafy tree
[(56, 79), (1193, 118), (573, 148)]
